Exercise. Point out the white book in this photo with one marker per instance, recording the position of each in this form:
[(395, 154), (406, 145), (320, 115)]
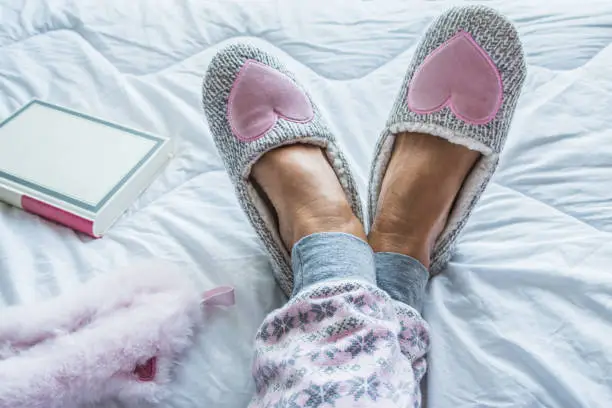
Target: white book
[(73, 168)]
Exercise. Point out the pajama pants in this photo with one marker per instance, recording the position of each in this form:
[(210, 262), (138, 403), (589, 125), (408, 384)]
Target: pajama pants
[(350, 336)]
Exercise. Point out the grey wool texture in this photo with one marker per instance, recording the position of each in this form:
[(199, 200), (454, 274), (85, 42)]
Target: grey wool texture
[(499, 38), (239, 156)]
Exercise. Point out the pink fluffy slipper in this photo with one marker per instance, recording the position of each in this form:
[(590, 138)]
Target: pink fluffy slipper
[(118, 337)]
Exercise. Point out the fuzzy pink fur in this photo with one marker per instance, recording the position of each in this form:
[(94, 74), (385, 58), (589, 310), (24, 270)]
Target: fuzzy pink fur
[(84, 347)]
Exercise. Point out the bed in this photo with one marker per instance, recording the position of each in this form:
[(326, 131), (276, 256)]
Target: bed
[(523, 316)]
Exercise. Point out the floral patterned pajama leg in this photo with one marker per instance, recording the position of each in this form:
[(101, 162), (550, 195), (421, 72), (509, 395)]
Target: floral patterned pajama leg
[(341, 341)]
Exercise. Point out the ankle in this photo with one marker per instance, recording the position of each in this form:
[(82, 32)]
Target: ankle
[(401, 241), (410, 226), (317, 217)]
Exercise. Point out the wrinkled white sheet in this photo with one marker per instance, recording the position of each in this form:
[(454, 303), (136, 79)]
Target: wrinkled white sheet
[(523, 316)]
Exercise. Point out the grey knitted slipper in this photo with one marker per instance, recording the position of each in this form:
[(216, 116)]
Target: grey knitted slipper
[(253, 105), (462, 85)]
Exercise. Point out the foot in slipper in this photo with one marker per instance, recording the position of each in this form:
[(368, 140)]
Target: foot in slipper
[(447, 128), (290, 176)]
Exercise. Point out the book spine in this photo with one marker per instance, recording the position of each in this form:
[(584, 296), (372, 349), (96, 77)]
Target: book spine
[(10, 196), (58, 215)]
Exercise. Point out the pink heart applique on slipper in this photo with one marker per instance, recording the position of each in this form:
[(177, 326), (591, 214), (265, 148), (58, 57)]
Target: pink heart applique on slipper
[(259, 96), (461, 75)]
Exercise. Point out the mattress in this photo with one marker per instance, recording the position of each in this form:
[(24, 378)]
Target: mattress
[(522, 317)]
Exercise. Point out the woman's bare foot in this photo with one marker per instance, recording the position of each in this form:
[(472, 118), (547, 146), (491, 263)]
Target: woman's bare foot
[(418, 190), (305, 193)]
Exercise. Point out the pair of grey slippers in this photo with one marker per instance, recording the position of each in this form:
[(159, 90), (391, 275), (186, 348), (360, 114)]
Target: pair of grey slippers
[(462, 85)]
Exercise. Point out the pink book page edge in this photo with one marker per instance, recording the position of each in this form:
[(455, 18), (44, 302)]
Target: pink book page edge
[(58, 215)]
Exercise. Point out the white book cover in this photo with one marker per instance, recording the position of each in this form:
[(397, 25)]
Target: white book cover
[(73, 168)]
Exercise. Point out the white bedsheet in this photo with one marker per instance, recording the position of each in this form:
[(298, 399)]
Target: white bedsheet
[(523, 316)]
